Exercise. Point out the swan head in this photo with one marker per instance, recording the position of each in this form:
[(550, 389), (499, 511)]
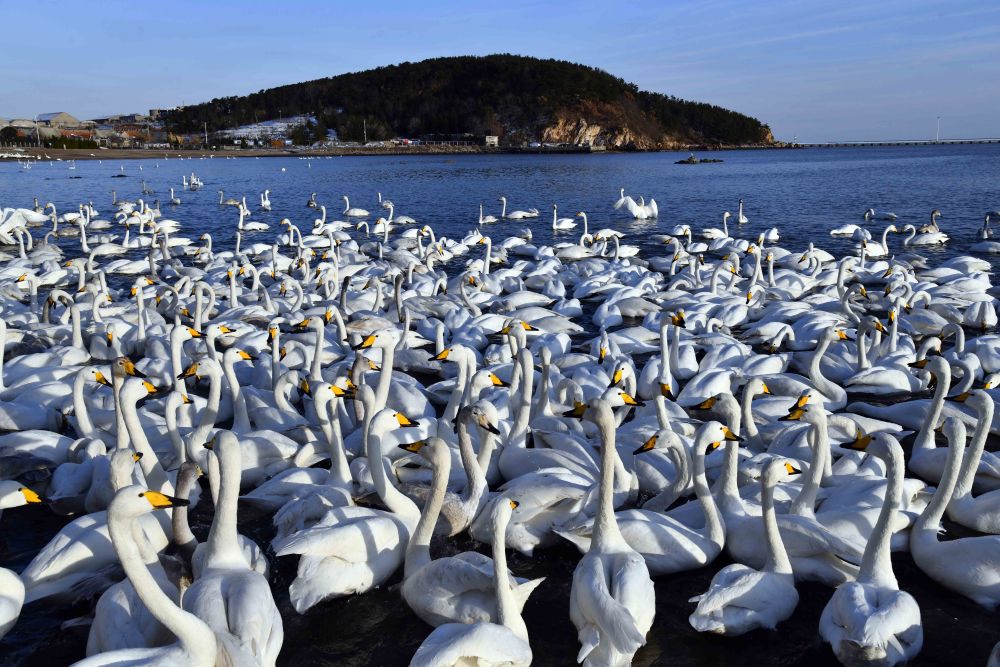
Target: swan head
[(778, 470), (663, 439), (433, 450), (136, 389), (478, 415), (383, 339), (14, 494), (136, 500), (123, 366)]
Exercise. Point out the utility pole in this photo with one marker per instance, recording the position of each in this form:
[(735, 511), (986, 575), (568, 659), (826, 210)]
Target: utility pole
[(937, 137), (38, 137), (364, 126), (206, 134)]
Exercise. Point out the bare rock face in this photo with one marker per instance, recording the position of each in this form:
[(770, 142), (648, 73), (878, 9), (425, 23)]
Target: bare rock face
[(581, 132)]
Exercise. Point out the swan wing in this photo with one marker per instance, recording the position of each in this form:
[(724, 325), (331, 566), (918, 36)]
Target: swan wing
[(632, 587), (253, 617), (349, 540), (596, 604), (479, 643)]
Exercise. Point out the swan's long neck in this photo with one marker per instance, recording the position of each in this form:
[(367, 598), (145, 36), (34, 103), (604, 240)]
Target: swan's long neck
[(713, 517), (191, 632), (84, 424), (208, 414), (156, 477), (507, 610), (747, 423), (777, 557), (241, 418), (385, 376), (418, 550), (827, 388), (606, 533), (519, 431), (340, 471), (925, 437), (457, 392), (475, 488), (930, 520), (876, 564), (397, 503), (805, 502), (970, 463), (316, 369), (223, 541)]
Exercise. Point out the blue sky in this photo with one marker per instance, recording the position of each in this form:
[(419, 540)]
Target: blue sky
[(812, 70)]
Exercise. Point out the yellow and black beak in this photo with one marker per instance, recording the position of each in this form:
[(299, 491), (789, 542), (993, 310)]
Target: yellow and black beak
[(413, 447), (601, 354), (497, 382), (442, 355), (100, 379), (860, 442), (764, 389), (226, 330), (304, 387), (707, 404), (130, 368), (137, 456), (628, 399), (961, 398), (577, 412), (841, 335), (366, 343), (678, 320), (186, 399), (792, 470), (190, 371), (514, 504), (406, 422), (616, 377), (150, 387), (246, 356), (30, 496), (794, 415), (162, 501), (727, 434), (919, 363), (485, 424), (802, 400), (647, 446), (110, 336), (665, 390)]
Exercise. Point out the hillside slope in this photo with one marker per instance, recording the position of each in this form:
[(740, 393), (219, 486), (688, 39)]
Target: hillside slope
[(516, 97)]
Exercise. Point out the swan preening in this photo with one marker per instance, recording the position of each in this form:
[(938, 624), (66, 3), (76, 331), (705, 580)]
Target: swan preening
[(653, 405)]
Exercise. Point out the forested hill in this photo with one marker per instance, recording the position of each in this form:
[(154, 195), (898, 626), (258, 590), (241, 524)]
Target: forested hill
[(517, 98)]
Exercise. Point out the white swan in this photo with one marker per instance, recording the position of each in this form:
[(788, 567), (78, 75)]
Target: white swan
[(352, 212), (969, 565), (234, 600), (741, 599), (501, 643), (195, 640), (870, 621), (455, 589), (612, 601)]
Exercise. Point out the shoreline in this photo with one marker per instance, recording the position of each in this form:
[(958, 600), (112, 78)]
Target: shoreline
[(362, 151)]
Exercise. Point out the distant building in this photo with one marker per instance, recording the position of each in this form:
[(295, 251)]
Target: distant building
[(57, 119), (492, 141)]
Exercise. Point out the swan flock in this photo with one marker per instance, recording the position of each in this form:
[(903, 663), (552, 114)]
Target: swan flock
[(384, 395)]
